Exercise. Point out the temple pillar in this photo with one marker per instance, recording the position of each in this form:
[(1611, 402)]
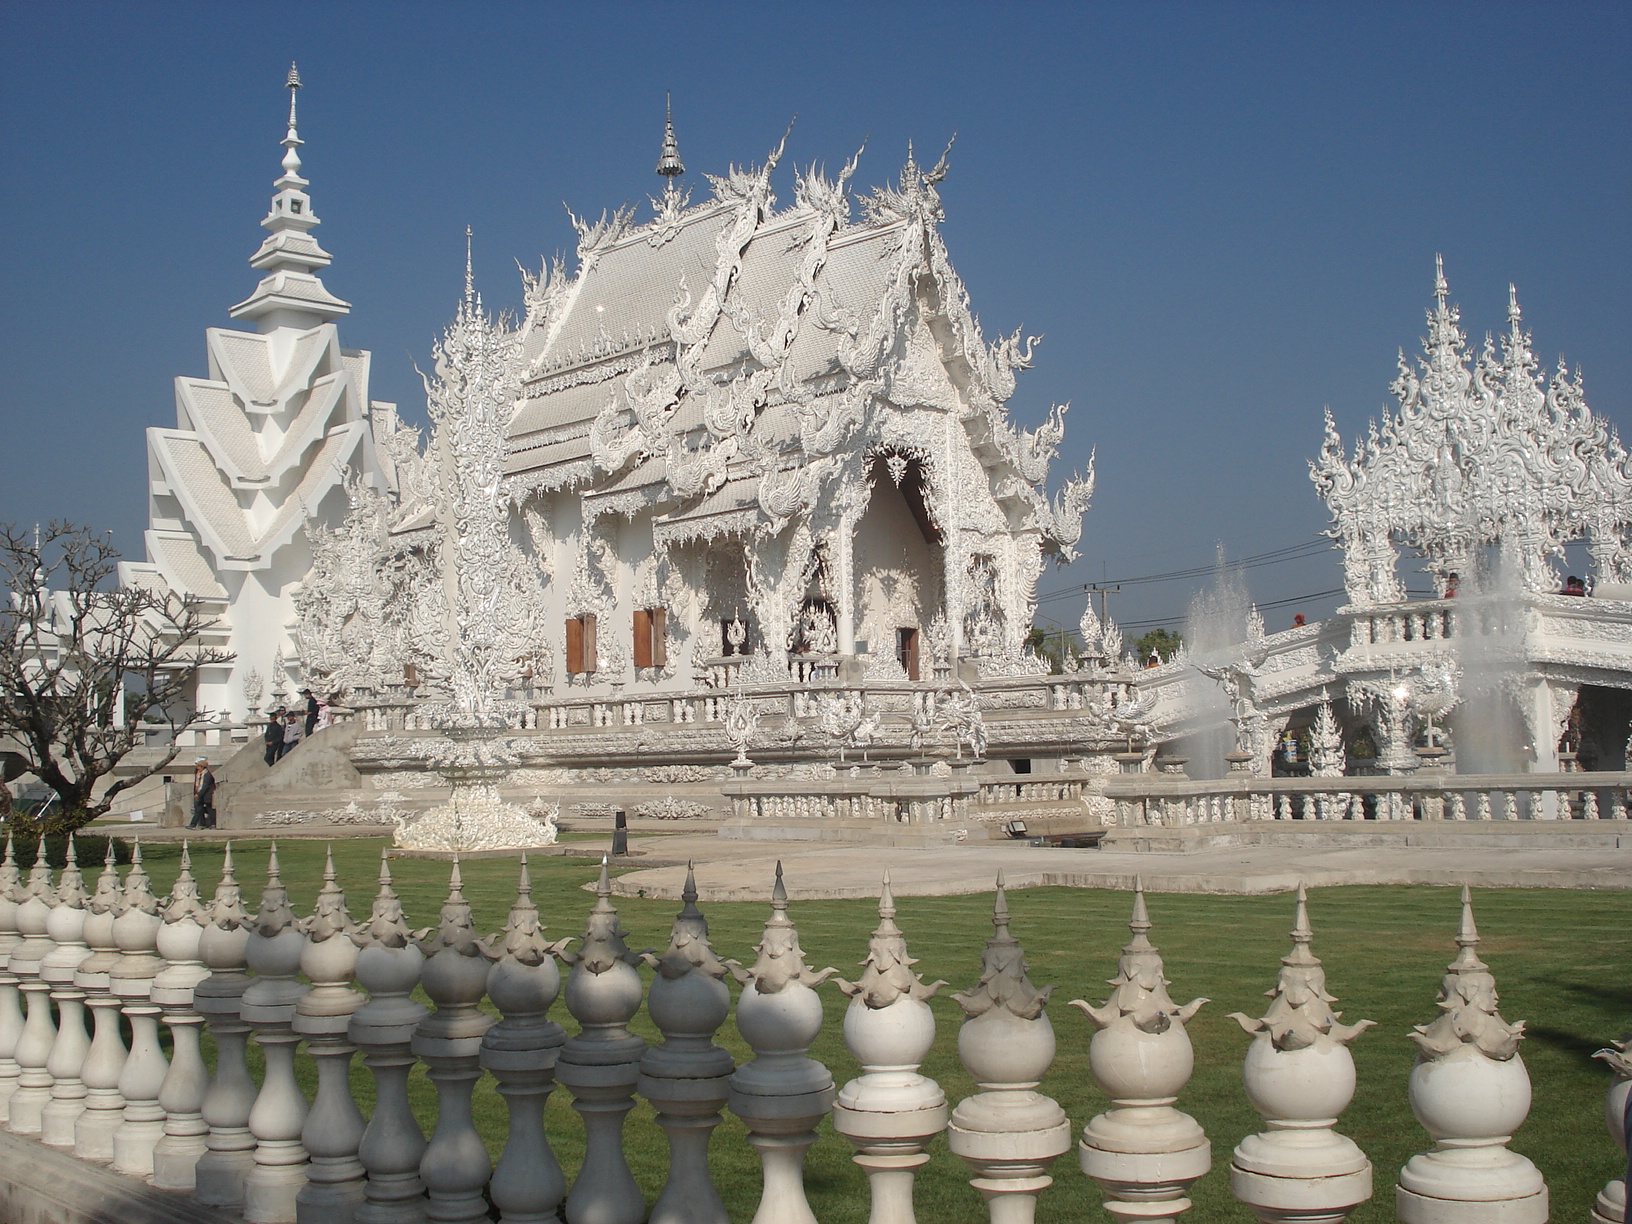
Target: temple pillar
[(844, 582)]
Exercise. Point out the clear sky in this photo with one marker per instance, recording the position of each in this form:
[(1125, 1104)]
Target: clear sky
[(1221, 217)]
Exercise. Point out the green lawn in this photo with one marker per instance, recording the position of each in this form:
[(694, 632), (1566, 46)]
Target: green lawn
[(1559, 957)]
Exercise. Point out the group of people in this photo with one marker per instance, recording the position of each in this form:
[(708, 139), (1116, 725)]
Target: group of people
[(285, 727)]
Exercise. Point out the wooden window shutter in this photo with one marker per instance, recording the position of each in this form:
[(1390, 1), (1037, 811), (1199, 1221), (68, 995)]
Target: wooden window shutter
[(575, 645), (592, 660), (643, 638), (660, 637)]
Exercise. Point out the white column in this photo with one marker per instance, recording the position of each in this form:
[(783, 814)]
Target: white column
[(1611, 1205), (219, 1174), (1300, 1077), (136, 931), (1470, 1091), (1008, 1132), (600, 1064), (1143, 1153), (272, 953), (334, 1180), (781, 1095), (687, 1078), (66, 926), (455, 1165), (521, 1050), (891, 1112), (11, 1012), (104, 1107), (39, 1032), (175, 1156), (388, 967)]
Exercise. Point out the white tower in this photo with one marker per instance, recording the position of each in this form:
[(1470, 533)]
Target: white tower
[(261, 444)]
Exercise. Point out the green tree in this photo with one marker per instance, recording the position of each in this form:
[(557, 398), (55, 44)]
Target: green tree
[(1163, 641)]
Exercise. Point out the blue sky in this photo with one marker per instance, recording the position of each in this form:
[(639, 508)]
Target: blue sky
[(1221, 217)]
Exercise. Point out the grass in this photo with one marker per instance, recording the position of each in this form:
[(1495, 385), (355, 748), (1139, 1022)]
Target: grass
[(1559, 958)]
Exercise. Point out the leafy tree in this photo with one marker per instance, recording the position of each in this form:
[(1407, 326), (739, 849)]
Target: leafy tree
[(1163, 641), (86, 662)]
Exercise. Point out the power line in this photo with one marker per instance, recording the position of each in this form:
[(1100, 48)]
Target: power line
[(1162, 621), (1293, 552)]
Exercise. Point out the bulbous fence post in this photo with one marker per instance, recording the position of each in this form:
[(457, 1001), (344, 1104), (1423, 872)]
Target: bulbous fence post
[(455, 1165), (520, 1051), (780, 1094), (891, 1112), (1610, 1207), (388, 966), (1144, 1154), (229, 1147), (687, 1077), (273, 952), (11, 1011), (175, 1156), (334, 1178), (600, 1064), (136, 931), (1470, 1091), (1008, 1132), (65, 924), (39, 1031), (1300, 1077), (104, 1107)]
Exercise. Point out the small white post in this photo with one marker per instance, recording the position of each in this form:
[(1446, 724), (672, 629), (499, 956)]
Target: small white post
[(229, 1147), (104, 1107), (39, 1031), (1610, 1207), (175, 1156), (136, 931), (66, 927), (11, 1011)]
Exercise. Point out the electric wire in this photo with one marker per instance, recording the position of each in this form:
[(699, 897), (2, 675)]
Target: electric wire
[(1292, 552)]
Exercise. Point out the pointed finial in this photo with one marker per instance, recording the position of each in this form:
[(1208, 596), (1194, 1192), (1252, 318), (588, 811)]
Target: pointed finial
[(272, 873), (688, 894), (1000, 906), (293, 85), (1467, 935), (1514, 316), (226, 867), (1302, 933), (136, 851), (385, 871), (110, 859), (470, 275), (329, 876), (1441, 288), (39, 853), (524, 880), (886, 899), (73, 854), (456, 882), (669, 164), (779, 890), (1140, 923), (186, 856)]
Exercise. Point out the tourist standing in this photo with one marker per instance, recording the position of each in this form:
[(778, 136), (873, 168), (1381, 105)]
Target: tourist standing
[(272, 736), (203, 795), (291, 734), (311, 710)]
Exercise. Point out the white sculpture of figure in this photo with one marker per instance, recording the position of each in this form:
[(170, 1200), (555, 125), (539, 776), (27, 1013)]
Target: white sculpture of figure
[(687, 1077), (1143, 1150), (1327, 758), (388, 965), (333, 1127), (229, 1147), (1008, 1132), (520, 1051), (890, 1113), (181, 1096), (104, 1107), (600, 1064), (741, 720), (1470, 1091), (11, 1013), (548, 816), (455, 1165), (272, 952), (136, 932), (66, 926), (1610, 1207), (1300, 1076), (781, 1094), (39, 1031)]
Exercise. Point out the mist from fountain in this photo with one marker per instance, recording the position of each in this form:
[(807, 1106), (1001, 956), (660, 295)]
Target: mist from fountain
[(1215, 626), (1489, 733)]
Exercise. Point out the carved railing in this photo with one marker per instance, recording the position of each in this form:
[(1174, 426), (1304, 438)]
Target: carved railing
[(265, 1152)]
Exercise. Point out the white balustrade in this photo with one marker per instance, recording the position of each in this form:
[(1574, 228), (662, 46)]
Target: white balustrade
[(65, 925), (890, 1113), (229, 1147), (105, 1063), (11, 1012), (781, 1094), (1610, 1207), (1300, 1076), (1008, 1132), (455, 1166), (181, 1096), (600, 1064), (1143, 1151), (1470, 1091), (136, 932), (39, 1031), (388, 967), (687, 1077)]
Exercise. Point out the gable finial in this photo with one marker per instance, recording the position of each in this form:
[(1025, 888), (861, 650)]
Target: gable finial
[(1442, 289), (669, 164), (470, 276)]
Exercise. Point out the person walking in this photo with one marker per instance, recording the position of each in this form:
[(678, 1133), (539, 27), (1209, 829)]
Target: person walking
[(311, 711), (291, 734), (203, 795), (272, 736)]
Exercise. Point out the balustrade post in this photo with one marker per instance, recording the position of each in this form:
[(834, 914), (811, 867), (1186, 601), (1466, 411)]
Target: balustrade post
[(273, 952), (1300, 1076), (11, 1012), (388, 965), (1610, 1207), (1470, 1091), (687, 1077), (600, 1064), (105, 1063), (229, 1147), (39, 1032), (136, 932), (1144, 1154), (1008, 1132), (521, 1051), (65, 924), (455, 1166), (181, 1096), (334, 1126), (781, 1095), (890, 1113)]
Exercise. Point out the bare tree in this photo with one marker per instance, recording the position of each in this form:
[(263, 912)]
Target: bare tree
[(85, 662)]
